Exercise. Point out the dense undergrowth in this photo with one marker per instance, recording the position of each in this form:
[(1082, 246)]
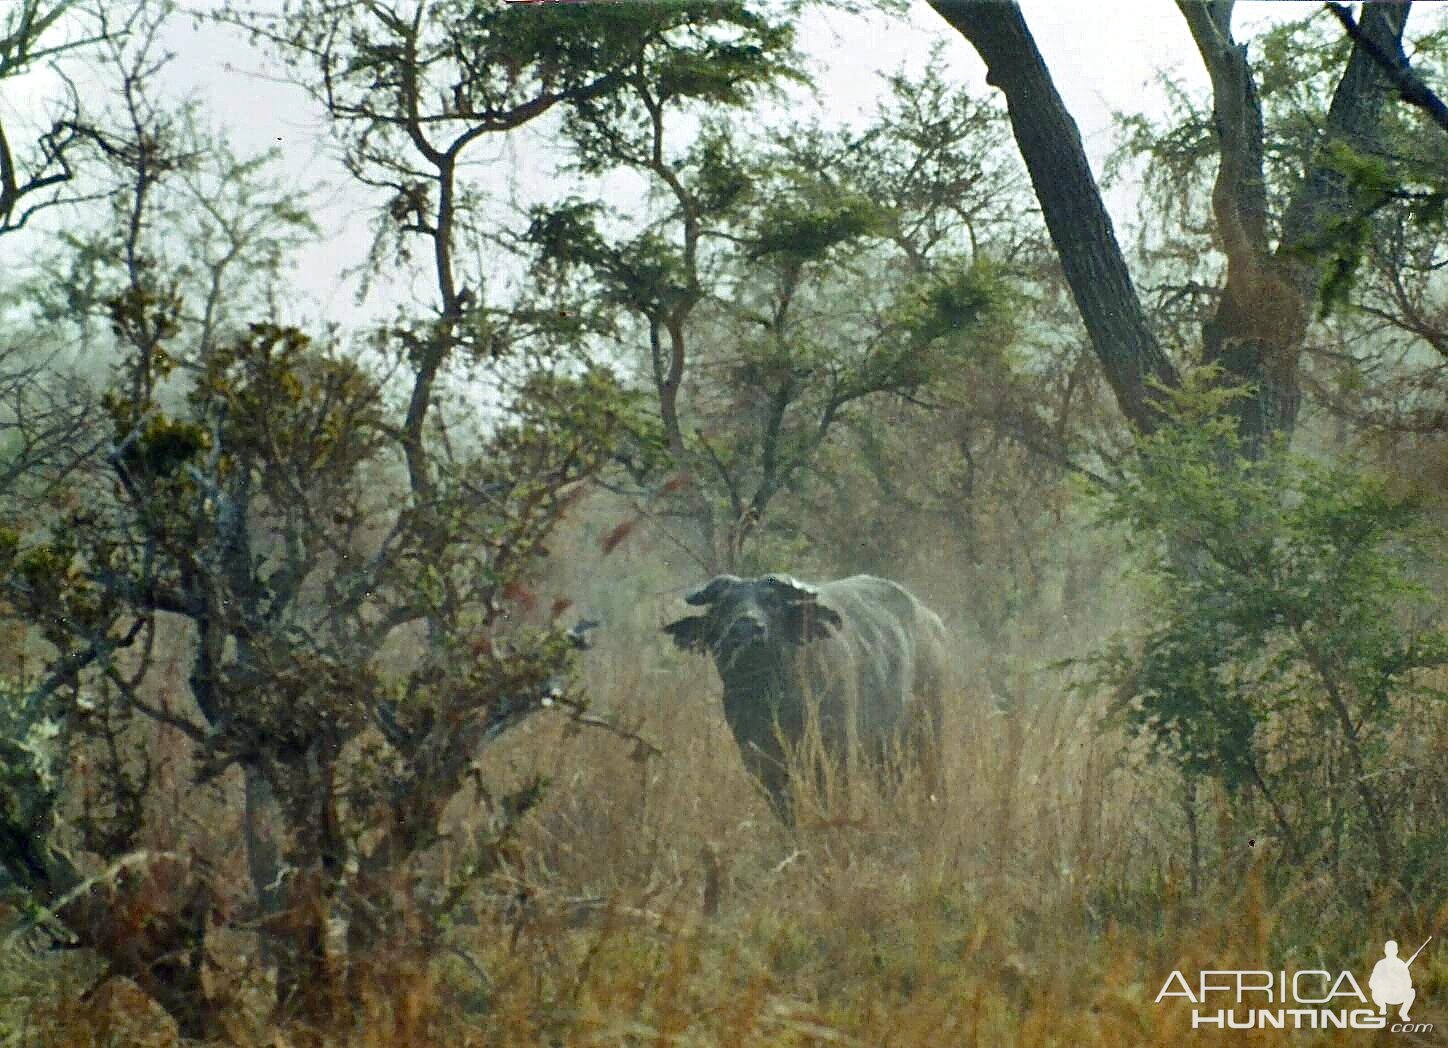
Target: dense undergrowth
[(652, 900)]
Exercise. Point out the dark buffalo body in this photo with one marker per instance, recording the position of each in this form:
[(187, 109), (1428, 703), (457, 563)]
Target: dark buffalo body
[(859, 660)]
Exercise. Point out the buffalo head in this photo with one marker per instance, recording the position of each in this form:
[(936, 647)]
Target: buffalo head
[(752, 613)]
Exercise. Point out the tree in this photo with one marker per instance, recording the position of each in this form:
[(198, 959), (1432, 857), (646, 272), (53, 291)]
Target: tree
[(1411, 87), (1272, 284), (38, 173), (786, 283), (1287, 239), (43, 422), (972, 459), (1279, 659), (345, 566), (657, 278), (1374, 355)]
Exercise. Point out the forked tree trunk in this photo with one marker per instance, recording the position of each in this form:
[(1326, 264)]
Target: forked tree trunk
[(1257, 332)]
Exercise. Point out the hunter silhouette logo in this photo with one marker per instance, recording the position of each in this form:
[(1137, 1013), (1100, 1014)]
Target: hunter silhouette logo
[(1310, 999), (1391, 982)]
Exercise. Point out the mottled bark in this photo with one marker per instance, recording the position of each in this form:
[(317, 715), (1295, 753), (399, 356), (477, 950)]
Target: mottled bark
[(1257, 332), (1394, 63)]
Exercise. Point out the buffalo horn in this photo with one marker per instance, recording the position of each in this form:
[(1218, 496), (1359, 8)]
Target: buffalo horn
[(710, 591)]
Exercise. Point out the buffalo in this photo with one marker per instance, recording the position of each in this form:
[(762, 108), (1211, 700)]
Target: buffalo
[(858, 664)]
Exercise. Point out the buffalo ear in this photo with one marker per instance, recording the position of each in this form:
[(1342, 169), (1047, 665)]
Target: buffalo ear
[(690, 633), (807, 621)]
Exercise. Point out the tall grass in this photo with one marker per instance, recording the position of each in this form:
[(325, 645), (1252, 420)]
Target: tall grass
[(655, 901)]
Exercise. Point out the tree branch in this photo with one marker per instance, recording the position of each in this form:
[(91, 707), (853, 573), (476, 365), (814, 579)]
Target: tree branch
[(1050, 143), (1239, 197), (1392, 61)]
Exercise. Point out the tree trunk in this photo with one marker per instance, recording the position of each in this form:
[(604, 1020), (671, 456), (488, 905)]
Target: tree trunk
[(308, 983), (1080, 228), (1256, 335), (263, 855)]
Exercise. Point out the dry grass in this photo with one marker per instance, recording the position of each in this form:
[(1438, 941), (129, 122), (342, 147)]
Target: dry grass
[(1042, 901)]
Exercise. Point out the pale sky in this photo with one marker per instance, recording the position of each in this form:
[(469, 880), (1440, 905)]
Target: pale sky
[(1104, 58), (1101, 63)]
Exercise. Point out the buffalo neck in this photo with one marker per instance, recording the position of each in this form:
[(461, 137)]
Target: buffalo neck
[(765, 668)]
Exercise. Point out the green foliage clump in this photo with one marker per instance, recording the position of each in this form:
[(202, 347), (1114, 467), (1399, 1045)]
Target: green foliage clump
[(1290, 627), (948, 304), (1372, 184), (801, 230), (164, 445)]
